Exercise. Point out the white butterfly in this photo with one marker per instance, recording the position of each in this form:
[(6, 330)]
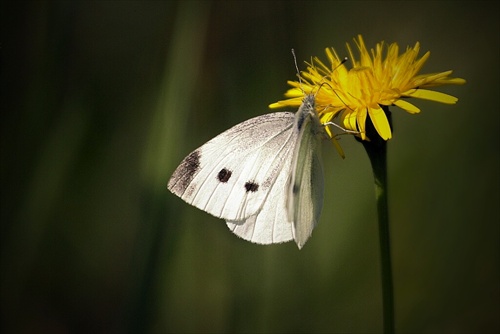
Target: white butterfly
[(263, 176)]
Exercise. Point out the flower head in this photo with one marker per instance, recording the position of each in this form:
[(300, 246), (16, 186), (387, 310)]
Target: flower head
[(376, 79)]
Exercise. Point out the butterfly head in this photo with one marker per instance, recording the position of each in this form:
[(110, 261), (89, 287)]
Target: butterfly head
[(309, 102)]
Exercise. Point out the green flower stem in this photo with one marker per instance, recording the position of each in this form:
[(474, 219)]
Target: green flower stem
[(376, 149)]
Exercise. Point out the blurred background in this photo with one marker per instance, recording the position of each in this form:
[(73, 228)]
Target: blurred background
[(101, 101)]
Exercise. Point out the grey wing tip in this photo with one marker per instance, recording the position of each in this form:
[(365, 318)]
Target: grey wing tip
[(184, 174)]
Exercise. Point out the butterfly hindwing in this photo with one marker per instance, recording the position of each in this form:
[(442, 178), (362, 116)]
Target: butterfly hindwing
[(271, 224), (231, 175)]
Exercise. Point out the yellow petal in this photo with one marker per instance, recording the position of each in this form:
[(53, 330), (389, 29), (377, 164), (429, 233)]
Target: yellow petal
[(436, 79), (361, 121), (295, 102), (329, 132), (453, 81), (407, 106), (338, 147), (380, 122), (431, 95), (294, 92), (349, 120), (276, 105)]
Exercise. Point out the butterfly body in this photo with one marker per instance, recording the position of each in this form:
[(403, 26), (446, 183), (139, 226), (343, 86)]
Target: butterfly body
[(263, 176)]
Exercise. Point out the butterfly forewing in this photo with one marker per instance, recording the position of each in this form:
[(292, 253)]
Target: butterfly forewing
[(231, 175)]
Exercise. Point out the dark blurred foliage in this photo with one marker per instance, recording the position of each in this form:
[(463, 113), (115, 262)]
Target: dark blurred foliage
[(101, 100)]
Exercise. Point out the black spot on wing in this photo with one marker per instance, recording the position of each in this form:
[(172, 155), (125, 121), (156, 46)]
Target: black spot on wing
[(251, 186), (224, 175), (185, 173)]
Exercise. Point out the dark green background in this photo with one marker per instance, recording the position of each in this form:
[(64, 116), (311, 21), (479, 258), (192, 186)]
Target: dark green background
[(101, 100)]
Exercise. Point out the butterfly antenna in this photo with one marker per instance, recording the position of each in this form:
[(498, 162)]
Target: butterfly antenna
[(298, 72), (340, 98), (341, 63)]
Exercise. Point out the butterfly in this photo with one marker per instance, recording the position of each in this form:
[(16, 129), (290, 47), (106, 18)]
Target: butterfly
[(263, 176)]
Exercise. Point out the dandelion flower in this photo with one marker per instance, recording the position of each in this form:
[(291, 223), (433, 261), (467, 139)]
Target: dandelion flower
[(380, 78)]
